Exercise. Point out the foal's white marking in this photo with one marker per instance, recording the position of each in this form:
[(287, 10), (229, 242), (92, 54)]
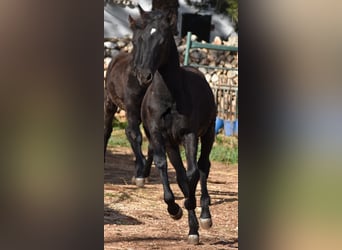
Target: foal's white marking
[(153, 30)]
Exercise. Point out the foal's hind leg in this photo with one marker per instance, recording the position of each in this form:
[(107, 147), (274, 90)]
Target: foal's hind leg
[(204, 167), (109, 110), (190, 145), (182, 179)]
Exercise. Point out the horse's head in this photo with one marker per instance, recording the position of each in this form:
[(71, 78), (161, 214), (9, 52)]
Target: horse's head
[(151, 38)]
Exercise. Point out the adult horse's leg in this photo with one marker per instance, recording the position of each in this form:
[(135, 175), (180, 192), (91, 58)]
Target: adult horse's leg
[(148, 164), (207, 141), (109, 110), (134, 137), (190, 145)]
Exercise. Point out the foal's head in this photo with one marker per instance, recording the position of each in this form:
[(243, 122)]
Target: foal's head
[(151, 43)]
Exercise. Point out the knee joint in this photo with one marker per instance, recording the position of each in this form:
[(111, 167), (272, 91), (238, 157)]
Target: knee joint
[(159, 161), (134, 135)]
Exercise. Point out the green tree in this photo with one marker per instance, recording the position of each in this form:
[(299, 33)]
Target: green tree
[(232, 10), (228, 7)]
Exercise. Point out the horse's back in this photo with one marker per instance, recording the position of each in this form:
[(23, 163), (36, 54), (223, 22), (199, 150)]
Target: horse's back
[(117, 77), (119, 62), (199, 92)]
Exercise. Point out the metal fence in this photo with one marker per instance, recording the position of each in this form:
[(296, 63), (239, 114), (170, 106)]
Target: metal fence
[(226, 94)]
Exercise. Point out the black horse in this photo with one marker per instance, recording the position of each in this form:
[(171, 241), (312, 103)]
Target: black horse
[(123, 90), (178, 108)]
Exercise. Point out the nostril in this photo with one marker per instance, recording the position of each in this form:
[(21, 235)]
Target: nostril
[(149, 77)]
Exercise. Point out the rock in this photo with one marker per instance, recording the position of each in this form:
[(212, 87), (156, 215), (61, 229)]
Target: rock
[(203, 70), (106, 62), (232, 41), (128, 48), (114, 53), (223, 79), (217, 41), (121, 44), (110, 45), (214, 78), (181, 48), (195, 56), (234, 63), (212, 64), (208, 77), (235, 80), (228, 65), (204, 51), (204, 61), (231, 73), (193, 37), (230, 58)]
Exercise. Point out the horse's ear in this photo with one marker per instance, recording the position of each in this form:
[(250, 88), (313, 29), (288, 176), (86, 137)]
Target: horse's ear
[(170, 17), (141, 11), (132, 22)]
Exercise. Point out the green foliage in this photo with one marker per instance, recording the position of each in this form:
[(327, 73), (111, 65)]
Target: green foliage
[(232, 10), (118, 137), (225, 149), (119, 124)]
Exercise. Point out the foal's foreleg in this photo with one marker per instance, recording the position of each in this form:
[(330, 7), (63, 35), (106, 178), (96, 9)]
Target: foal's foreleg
[(176, 160), (159, 158)]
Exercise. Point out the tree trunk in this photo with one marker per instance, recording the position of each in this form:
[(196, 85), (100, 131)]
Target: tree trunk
[(170, 6)]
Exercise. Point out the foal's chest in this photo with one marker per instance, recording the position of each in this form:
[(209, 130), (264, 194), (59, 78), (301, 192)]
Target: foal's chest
[(174, 125)]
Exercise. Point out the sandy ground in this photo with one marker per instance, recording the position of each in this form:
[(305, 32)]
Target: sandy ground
[(136, 218)]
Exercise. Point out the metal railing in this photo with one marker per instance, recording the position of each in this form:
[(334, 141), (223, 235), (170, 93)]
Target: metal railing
[(223, 92)]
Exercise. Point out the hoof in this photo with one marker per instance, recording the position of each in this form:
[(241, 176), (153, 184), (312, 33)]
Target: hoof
[(206, 223), (193, 239), (139, 182), (178, 215)]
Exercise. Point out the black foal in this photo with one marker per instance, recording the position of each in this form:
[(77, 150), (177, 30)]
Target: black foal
[(178, 109)]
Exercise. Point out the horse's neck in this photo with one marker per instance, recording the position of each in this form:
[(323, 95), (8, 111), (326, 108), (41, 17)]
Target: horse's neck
[(171, 71), (172, 76)]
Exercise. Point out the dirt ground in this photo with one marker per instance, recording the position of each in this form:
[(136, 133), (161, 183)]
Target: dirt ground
[(136, 218)]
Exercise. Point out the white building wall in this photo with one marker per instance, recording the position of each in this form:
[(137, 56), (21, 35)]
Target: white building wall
[(116, 19)]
